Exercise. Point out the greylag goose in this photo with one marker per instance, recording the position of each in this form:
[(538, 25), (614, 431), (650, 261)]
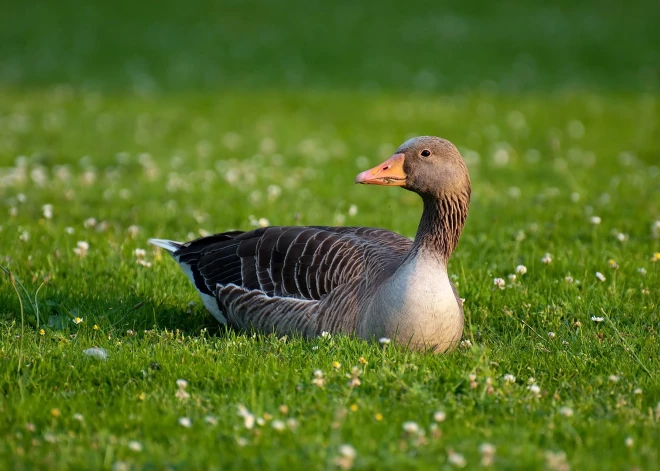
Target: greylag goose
[(363, 281)]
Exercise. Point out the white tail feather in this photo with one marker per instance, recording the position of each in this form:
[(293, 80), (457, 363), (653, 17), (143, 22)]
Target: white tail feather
[(169, 245)]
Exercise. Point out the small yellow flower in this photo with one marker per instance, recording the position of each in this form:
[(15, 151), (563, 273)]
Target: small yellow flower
[(77, 320), (42, 332), (96, 327), (336, 364), (655, 257), (363, 360), (354, 407), (142, 396), (55, 412), (378, 416), (267, 416)]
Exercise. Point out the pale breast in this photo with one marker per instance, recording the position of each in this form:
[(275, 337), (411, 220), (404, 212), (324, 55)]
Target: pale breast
[(417, 306)]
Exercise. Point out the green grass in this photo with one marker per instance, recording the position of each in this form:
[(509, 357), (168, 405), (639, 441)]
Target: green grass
[(162, 123)]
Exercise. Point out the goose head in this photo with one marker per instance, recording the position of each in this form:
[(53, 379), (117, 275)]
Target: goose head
[(427, 165)]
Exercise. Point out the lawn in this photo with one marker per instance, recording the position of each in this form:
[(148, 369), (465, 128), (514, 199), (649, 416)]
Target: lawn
[(120, 122)]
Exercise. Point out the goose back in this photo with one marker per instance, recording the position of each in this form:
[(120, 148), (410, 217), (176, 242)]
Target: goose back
[(296, 262)]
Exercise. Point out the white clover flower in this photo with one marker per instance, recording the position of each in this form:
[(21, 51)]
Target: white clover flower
[(629, 442), (248, 418), (456, 459), (352, 210), (278, 425), (614, 378), (182, 383), (347, 451), (534, 389), (655, 229), (568, 279), (597, 319), (241, 441), (547, 259), (487, 451), (79, 417), (211, 420), (82, 247), (499, 283), (521, 269), (384, 340), (346, 456), (512, 277), (48, 211), (641, 271), (566, 411), (595, 220), (25, 236), (134, 445), (466, 344), (440, 416), (318, 380), (411, 427), (185, 422), (600, 276), (274, 192), (133, 231), (552, 335), (509, 378), (140, 253)]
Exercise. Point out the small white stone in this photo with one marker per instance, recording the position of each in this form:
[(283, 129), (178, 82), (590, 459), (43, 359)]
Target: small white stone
[(98, 353)]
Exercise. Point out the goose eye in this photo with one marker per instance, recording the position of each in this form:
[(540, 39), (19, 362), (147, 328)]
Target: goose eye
[(426, 153)]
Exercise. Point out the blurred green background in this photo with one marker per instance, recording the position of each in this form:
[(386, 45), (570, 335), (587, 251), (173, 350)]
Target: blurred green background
[(372, 46)]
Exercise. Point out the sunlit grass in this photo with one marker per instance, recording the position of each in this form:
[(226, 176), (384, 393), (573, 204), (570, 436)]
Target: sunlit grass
[(542, 176)]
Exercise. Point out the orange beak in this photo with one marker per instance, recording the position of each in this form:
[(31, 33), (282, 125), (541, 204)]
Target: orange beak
[(388, 173)]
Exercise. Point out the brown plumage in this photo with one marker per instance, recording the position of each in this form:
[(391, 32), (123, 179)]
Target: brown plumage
[(354, 280)]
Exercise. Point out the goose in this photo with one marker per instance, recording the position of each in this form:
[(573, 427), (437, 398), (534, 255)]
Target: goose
[(361, 281)]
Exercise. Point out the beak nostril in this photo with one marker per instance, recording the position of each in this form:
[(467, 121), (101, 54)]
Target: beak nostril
[(385, 167)]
